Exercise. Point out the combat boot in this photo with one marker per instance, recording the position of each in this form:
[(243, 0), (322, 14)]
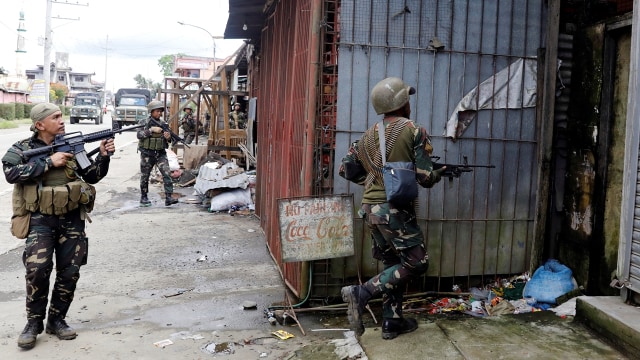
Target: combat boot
[(391, 328), (144, 200), (170, 200), (27, 339), (58, 327), (356, 296)]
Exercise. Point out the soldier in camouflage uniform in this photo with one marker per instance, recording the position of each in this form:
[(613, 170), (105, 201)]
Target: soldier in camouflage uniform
[(51, 199), (397, 238), (237, 119), (152, 145), (189, 125)]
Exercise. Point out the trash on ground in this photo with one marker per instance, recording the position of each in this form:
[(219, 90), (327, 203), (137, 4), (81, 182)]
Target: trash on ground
[(515, 295), (549, 282), (249, 305), (283, 335), (225, 348), (163, 343), (180, 292)]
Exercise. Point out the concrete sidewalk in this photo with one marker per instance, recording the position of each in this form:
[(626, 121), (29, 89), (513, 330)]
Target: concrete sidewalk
[(538, 335)]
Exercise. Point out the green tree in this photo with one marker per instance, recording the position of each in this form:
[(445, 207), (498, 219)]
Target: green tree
[(58, 92), (147, 83), (166, 63), (141, 81)]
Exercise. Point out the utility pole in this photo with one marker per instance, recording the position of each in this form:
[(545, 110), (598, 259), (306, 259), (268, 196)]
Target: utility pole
[(104, 87), (46, 67)]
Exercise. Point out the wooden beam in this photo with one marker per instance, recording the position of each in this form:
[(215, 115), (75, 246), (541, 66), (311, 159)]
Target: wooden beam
[(205, 92)]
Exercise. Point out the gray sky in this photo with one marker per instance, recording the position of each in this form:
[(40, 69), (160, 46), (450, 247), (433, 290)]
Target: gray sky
[(139, 32)]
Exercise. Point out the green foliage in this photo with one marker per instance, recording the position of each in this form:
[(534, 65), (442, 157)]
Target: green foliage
[(166, 63), (5, 124), (20, 111), (147, 83), (8, 111), (16, 112), (141, 81), (57, 93), (27, 110)]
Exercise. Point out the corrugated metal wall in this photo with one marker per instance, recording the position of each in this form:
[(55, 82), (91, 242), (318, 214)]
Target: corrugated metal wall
[(480, 225), (283, 80)]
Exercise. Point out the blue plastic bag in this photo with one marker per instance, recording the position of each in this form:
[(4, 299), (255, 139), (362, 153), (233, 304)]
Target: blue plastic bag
[(548, 282)]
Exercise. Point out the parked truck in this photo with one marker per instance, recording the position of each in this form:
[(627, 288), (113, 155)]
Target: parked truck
[(86, 106), (131, 106)]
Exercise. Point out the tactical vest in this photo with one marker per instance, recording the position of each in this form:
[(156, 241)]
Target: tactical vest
[(188, 124), (155, 142), (58, 192)]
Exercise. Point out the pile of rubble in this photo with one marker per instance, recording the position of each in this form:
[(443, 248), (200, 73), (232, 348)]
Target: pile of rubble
[(221, 185)]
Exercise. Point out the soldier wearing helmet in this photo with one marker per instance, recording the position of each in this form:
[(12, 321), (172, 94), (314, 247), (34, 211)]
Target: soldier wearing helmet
[(152, 144), (237, 119), (188, 124), (397, 239)]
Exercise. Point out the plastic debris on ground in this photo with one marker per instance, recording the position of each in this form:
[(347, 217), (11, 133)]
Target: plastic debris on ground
[(505, 296), (163, 343), (282, 335)]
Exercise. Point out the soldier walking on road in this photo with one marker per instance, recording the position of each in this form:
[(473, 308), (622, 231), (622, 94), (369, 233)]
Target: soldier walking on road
[(152, 144), (51, 199), (397, 238)]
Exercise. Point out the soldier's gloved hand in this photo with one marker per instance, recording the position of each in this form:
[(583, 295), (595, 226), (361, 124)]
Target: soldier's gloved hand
[(155, 129), (437, 174)]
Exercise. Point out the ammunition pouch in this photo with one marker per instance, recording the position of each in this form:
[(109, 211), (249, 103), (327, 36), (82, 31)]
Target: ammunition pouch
[(59, 200), (20, 225), (153, 143)]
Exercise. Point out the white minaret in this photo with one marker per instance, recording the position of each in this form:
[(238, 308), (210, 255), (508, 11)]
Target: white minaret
[(20, 50)]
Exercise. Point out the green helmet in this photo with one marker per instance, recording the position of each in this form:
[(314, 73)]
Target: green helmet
[(390, 94), (155, 104)]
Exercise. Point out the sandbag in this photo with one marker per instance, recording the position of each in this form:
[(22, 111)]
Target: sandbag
[(227, 199)]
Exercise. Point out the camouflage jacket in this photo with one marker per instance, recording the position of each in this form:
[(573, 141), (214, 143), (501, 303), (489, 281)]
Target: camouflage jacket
[(405, 142), (19, 170)]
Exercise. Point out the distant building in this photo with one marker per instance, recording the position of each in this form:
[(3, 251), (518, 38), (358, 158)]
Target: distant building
[(62, 73), (196, 67)]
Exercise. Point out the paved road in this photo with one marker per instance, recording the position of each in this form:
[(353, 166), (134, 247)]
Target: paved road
[(176, 273)]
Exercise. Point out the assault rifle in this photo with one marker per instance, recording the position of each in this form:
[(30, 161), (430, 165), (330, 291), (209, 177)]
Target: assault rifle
[(455, 170), (165, 127), (74, 143)]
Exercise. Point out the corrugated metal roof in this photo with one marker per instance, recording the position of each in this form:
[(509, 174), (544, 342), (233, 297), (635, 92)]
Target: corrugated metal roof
[(249, 13)]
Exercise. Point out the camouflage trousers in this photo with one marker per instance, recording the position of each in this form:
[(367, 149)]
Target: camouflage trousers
[(61, 236), (399, 244), (189, 136), (149, 159)]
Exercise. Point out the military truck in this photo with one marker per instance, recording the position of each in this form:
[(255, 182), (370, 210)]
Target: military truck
[(131, 106), (86, 106)]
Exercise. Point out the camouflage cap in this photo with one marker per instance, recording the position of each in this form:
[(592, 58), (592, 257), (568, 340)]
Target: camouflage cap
[(42, 111)]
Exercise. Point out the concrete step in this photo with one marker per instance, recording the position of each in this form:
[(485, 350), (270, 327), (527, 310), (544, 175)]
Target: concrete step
[(612, 319)]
